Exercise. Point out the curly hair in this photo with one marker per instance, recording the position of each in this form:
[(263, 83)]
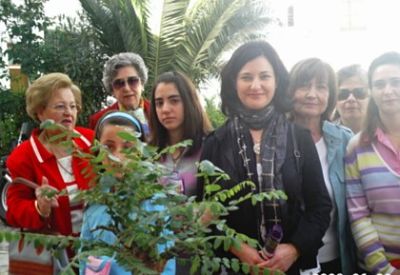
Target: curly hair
[(38, 94), (119, 61)]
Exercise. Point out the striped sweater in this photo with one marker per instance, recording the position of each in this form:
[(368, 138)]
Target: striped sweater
[(373, 200)]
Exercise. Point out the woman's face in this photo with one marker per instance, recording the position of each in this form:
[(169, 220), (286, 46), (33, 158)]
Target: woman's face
[(113, 143), (353, 98), (256, 83), (61, 108), (386, 89), (169, 107), (311, 99), (127, 87)]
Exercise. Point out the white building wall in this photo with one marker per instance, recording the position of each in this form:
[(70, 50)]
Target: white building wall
[(321, 29)]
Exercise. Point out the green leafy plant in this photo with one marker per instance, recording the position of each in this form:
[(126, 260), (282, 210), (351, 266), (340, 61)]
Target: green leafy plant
[(214, 113), (42, 45), (178, 221), (12, 115)]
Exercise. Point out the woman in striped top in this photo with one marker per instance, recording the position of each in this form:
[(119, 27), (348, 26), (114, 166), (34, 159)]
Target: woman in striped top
[(373, 171)]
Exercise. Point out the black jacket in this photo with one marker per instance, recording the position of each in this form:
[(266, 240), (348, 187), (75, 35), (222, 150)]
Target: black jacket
[(305, 215)]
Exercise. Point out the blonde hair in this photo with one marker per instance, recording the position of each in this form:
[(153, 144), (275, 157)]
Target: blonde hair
[(38, 94)]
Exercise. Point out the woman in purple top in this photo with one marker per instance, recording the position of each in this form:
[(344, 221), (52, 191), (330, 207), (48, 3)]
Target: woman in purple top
[(177, 115)]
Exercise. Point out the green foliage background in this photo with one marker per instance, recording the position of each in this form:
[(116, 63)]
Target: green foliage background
[(43, 45), (192, 37)]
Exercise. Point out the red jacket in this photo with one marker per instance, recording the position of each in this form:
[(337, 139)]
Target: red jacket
[(95, 117), (32, 161)]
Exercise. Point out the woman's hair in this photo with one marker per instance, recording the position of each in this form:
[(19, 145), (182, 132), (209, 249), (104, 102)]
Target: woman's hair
[(39, 93), (372, 120), (122, 60), (244, 54), (195, 123), (350, 71), (305, 71), (118, 118)]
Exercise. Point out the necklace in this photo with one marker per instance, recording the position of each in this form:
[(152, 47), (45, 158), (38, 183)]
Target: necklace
[(178, 156), (256, 135), (257, 148), (63, 167), (176, 160)]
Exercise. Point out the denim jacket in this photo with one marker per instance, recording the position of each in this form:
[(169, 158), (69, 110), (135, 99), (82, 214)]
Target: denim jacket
[(336, 138), (97, 215)]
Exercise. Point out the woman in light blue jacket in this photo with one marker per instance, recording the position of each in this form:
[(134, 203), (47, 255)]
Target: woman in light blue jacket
[(312, 86)]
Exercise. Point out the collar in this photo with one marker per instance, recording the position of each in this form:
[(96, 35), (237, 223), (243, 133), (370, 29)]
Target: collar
[(332, 130), (380, 135), (382, 138), (140, 105), (41, 153)]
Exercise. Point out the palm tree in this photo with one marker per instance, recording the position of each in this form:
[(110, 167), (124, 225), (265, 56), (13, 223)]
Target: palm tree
[(192, 33)]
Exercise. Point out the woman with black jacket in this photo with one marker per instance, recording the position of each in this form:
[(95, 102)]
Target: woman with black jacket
[(258, 143)]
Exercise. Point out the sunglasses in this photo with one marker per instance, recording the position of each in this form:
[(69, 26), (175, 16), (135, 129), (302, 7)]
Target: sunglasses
[(358, 93), (132, 81)]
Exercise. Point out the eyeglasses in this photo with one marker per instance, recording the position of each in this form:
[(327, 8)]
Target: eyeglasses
[(132, 81), (62, 108), (381, 84), (358, 93)]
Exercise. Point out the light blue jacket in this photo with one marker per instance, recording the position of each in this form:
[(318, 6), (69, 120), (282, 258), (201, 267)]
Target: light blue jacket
[(95, 216), (336, 138)]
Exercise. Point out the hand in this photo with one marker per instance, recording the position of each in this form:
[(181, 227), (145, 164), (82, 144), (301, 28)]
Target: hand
[(285, 255), (44, 204), (396, 272), (207, 217), (159, 266), (247, 254)]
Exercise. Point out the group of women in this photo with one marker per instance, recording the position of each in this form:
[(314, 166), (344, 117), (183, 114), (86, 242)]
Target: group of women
[(342, 197)]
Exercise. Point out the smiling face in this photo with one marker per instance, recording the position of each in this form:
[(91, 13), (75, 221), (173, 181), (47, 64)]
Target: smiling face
[(311, 99), (386, 89), (354, 107), (61, 108), (256, 83), (169, 107), (127, 88)]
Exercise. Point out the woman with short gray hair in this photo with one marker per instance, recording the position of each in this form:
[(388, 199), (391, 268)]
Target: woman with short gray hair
[(124, 76)]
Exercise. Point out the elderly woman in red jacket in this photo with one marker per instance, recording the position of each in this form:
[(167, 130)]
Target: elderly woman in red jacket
[(50, 164)]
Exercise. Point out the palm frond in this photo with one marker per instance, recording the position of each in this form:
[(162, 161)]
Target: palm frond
[(122, 25), (192, 35), (142, 9), (103, 22), (237, 31), (172, 32), (218, 25)]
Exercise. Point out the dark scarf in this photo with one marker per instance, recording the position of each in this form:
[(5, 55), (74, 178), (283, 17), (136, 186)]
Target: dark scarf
[(272, 157), (256, 119)]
